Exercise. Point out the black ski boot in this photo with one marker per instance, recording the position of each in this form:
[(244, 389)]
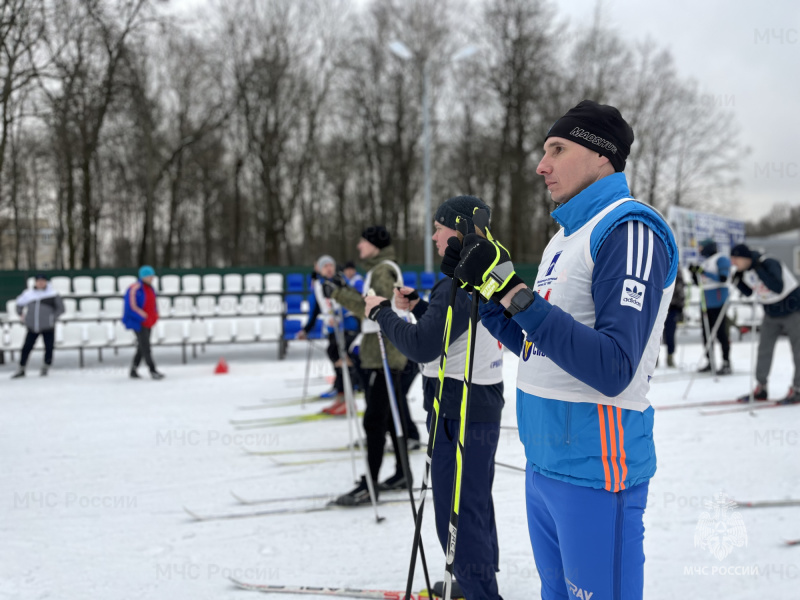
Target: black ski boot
[(395, 482), (455, 590), (44, 370), (759, 394), (157, 375), (357, 496)]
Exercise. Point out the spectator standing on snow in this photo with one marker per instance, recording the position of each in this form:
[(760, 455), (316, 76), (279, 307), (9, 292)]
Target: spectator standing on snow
[(712, 274), (476, 559), (325, 269), (383, 275), (41, 307), (140, 315), (776, 288), (674, 316), (588, 337)]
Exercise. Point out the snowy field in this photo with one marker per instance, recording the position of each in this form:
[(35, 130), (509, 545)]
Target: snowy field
[(96, 470)]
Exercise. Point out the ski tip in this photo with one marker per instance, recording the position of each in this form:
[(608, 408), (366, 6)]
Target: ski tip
[(193, 515), (238, 498)]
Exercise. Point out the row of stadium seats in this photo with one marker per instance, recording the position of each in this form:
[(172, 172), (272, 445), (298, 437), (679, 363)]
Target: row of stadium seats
[(213, 283), (192, 284), (176, 306), (173, 332)]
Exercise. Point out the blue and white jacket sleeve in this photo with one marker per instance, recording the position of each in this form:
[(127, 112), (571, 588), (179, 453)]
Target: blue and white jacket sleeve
[(606, 356)]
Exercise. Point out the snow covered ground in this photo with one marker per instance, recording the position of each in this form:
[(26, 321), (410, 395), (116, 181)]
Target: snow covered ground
[(95, 469)]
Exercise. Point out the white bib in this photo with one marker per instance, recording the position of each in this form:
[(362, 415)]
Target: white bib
[(565, 280)]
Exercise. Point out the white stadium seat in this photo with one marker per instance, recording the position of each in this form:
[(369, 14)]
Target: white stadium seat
[(63, 285), (105, 285), (89, 308), (212, 283), (83, 285), (273, 283), (223, 331), (205, 306), (191, 284), (227, 305), (249, 305), (113, 308), (253, 282), (169, 284), (232, 283)]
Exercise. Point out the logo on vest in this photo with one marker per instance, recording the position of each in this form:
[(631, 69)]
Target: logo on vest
[(633, 294), (553, 263), (528, 350)]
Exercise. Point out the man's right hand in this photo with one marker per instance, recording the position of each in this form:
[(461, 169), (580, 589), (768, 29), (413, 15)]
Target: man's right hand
[(405, 298), (301, 335), (452, 256)]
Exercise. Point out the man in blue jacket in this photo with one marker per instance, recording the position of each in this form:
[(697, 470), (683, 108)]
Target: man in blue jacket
[(476, 559), (776, 288), (588, 338), (712, 274)]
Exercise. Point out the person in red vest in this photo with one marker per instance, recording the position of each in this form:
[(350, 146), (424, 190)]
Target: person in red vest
[(140, 316)]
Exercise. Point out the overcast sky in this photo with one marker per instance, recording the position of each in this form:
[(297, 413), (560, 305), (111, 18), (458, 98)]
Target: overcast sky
[(744, 54)]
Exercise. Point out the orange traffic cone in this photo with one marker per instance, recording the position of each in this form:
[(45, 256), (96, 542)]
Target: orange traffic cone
[(222, 367)]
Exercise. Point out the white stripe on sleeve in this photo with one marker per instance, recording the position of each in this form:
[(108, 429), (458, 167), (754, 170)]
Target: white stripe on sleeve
[(629, 267), (639, 251), (649, 254)]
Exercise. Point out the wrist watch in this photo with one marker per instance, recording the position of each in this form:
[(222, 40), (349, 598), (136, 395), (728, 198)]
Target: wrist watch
[(520, 301)]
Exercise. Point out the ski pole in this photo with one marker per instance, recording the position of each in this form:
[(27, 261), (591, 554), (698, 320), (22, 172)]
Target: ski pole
[(352, 414), (709, 345), (308, 371), (402, 450), (481, 220), (448, 324)]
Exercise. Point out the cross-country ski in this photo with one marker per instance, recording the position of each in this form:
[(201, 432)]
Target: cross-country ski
[(343, 592)]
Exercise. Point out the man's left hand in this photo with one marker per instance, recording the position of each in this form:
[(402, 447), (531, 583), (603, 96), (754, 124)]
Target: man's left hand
[(334, 283), (373, 305), (486, 266)]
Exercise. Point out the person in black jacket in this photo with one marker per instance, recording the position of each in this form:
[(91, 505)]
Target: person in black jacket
[(777, 289), (674, 316), (476, 558), (42, 306)]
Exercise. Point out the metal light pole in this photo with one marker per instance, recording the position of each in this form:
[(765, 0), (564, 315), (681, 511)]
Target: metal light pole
[(426, 134), (400, 50)]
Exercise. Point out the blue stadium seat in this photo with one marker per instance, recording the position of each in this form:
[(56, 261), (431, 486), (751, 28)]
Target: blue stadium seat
[(427, 280), (294, 304), (410, 279), (295, 282), (316, 333), (291, 327)]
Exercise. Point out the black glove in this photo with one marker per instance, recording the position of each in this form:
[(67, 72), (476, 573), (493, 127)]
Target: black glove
[(486, 265), (695, 269), (334, 283), (737, 277), (373, 314), (452, 256), (412, 296), (314, 275)]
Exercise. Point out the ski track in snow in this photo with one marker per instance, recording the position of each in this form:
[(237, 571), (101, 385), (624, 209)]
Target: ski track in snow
[(96, 468)]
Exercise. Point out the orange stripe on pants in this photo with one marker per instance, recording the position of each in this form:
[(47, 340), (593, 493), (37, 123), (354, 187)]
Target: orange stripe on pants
[(604, 449), (622, 462), (613, 437)]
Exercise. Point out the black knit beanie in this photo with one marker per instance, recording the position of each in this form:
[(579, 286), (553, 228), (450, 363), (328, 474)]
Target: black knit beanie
[(598, 127), (377, 236), (459, 206), (741, 250)]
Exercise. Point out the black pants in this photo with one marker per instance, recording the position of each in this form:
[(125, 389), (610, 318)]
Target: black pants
[(406, 379), (143, 349), (48, 337), (722, 332), (378, 419), (333, 354)]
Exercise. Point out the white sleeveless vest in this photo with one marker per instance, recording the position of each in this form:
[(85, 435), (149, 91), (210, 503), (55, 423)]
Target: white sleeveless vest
[(763, 293), (487, 367), (327, 306), (710, 266), (368, 325), (565, 280)]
